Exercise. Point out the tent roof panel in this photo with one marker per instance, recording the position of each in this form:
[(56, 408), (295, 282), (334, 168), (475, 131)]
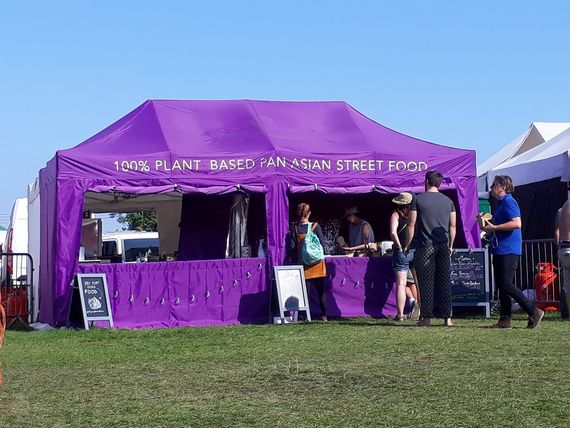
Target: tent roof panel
[(549, 160), (536, 135), (177, 129)]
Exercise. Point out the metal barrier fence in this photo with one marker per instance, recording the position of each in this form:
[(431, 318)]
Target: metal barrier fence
[(17, 286), (540, 271)]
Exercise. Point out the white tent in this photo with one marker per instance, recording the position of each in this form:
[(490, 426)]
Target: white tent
[(34, 220), (547, 161), (536, 135)]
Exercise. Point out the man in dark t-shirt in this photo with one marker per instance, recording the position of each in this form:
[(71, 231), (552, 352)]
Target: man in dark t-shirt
[(431, 231)]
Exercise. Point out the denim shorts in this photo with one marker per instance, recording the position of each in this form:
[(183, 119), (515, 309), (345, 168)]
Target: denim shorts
[(401, 262)]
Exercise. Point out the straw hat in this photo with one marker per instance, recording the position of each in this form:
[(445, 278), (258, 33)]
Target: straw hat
[(404, 198)]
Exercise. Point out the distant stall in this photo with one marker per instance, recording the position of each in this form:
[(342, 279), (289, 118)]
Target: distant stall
[(541, 176), (223, 178)]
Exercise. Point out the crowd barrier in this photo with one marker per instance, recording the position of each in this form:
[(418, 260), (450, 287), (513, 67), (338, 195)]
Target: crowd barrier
[(539, 271), (16, 286)]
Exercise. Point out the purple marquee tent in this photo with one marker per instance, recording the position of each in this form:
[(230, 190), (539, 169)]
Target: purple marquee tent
[(277, 149)]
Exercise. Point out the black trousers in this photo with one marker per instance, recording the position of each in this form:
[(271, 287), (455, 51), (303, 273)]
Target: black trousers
[(505, 267), (433, 267), (319, 284)]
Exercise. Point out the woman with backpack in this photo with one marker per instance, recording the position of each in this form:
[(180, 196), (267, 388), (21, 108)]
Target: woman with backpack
[(299, 252)]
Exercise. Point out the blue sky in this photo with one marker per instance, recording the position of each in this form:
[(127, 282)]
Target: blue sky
[(464, 74)]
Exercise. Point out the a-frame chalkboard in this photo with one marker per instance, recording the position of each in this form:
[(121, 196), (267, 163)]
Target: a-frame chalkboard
[(94, 298)]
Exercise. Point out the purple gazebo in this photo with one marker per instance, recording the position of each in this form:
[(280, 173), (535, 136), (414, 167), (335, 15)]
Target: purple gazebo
[(283, 152)]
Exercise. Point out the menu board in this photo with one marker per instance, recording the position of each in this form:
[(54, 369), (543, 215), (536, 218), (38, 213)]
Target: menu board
[(94, 296), (470, 277)]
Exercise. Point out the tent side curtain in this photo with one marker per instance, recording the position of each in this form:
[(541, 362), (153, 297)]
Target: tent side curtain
[(48, 197)]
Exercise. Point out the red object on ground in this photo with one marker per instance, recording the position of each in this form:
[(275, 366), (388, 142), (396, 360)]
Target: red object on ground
[(15, 302), (547, 296), (2, 330)]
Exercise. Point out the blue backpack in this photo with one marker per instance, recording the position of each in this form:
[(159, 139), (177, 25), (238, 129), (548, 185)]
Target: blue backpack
[(311, 250)]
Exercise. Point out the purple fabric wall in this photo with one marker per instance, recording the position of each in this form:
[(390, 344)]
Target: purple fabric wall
[(361, 286), (277, 222), (177, 294), (214, 292)]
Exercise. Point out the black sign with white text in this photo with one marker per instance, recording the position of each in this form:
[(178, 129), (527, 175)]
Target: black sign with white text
[(469, 276)]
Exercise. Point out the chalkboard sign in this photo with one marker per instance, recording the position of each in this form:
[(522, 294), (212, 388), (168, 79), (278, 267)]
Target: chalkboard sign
[(291, 290), (470, 278), (94, 296)]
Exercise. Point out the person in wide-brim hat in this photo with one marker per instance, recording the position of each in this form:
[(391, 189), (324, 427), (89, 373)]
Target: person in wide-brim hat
[(404, 198), (402, 263)]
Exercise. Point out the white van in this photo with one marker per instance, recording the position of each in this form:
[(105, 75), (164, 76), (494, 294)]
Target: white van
[(130, 246), (3, 233), (16, 241)]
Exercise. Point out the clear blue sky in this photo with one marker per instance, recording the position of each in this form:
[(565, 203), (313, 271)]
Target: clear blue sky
[(464, 74)]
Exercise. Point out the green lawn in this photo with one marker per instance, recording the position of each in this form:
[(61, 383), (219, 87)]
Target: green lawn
[(359, 372)]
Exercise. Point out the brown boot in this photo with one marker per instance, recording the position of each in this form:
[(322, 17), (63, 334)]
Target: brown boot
[(534, 320), (425, 322), (503, 324)]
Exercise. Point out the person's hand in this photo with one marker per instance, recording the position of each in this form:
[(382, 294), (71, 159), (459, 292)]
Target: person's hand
[(489, 227), (345, 248), (405, 251)]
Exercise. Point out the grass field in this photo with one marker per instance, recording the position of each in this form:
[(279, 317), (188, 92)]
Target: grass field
[(359, 372)]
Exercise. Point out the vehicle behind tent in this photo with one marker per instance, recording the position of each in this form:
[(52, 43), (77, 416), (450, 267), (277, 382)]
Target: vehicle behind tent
[(16, 240), (130, 246)]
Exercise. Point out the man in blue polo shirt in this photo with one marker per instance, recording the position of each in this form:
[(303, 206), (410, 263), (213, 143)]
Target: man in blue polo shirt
[(506, 247)]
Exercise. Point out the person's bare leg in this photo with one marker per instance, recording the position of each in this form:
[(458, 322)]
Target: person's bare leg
[(416, 287), (414, 291), (400, 292)]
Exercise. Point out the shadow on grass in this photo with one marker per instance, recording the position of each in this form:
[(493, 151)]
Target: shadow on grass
[(386, 322)]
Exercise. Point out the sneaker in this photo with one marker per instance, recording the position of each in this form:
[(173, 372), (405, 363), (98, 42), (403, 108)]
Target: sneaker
[(415, 314), (503, 324), (426, 322), (534, 320)]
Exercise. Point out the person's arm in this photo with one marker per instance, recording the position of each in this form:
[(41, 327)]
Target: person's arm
[(452, 228), (394, 230), (514, 223), (410, 230), (356, 247), (557, 229), (513, 212), (319, 232)]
